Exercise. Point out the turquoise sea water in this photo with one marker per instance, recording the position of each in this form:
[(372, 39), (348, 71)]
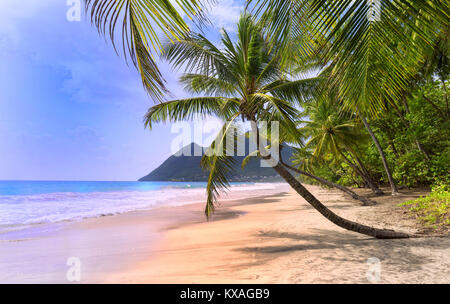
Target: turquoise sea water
[(42, 187), (25, 203)]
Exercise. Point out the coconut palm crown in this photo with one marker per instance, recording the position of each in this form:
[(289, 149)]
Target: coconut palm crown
[(245, 79)]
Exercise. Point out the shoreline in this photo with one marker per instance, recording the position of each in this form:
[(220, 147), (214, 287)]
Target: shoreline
[(168, 195), (274, 238), (104, 244)]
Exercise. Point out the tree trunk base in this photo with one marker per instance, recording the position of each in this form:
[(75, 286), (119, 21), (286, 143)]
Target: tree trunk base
[(378, 193), (366, 201), (333, 217), (390, 234)]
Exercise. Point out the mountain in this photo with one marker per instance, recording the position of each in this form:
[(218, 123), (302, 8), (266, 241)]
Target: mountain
[(187, 168)]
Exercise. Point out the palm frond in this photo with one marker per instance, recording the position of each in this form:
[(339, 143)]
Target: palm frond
[(300, 91), (281, 19), (270, 108), (220, 164), (140, 22), (189, 108), (372, 58), (210, 85), (303, 159), (249, 157), (196, 54)]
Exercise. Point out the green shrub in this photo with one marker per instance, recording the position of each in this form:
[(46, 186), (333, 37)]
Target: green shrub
[(433, 210)]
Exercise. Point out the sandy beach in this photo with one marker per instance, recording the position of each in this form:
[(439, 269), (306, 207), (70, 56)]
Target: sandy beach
[(269, 239)]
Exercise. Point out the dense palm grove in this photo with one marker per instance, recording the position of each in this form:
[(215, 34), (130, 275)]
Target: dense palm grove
[(375, 113), (414, 136)]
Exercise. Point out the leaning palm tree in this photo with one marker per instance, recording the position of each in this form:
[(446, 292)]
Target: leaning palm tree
[(245, 79), (373, 47), (332, 131), (303, 161)]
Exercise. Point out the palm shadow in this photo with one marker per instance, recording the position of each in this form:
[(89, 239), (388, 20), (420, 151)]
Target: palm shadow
[(351, 247)]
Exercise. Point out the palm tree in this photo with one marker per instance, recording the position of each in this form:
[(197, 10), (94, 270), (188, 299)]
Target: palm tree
[(394, 189), (304, 160), (355, 39), (332, 131), (305, 164), (246, 79)]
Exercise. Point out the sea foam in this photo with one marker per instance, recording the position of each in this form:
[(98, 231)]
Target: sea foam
[(22, 210)]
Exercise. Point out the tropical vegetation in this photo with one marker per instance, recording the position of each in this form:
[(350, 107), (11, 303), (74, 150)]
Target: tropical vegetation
[(376, 113), (247, 80), (433, 209)]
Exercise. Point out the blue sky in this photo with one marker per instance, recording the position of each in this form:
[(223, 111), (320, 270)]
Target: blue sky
[(70, 108)]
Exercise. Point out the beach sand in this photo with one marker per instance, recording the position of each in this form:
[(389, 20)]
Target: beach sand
[(281, 239), (270, 239)]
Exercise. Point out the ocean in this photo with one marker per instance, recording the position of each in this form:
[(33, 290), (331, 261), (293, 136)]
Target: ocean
[(29, 203)]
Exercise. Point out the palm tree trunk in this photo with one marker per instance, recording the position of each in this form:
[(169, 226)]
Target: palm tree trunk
[(364, 169), (365, 201), (383, 157), (314, 202), (365, 177), (330, 215)]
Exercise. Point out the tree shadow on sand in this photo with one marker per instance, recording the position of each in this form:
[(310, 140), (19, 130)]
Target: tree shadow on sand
[(346, 247)]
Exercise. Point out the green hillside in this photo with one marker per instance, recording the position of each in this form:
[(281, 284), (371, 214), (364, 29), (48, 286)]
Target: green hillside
[(187, 168)]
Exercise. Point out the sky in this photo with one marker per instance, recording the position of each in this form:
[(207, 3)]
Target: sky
[(70, 108)]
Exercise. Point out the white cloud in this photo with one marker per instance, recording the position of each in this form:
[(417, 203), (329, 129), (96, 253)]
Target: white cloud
[(225, 14)]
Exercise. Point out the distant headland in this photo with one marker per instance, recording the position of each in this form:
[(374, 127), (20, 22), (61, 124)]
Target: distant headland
[(187, 168)]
